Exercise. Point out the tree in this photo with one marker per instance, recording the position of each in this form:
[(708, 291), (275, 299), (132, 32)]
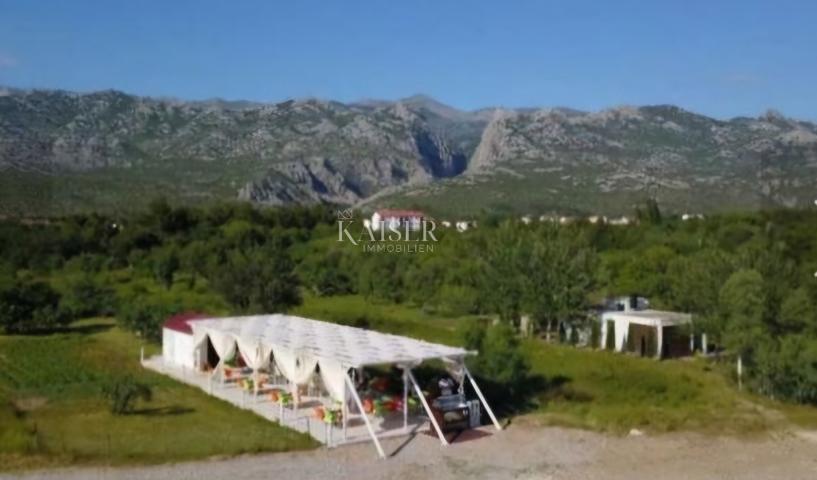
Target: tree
[(645, 272), (741, 305), (787, 367), (327, 273), (695, 281), (424, 278), (165, 265), (504, 265), (559, 276), (797, 313), (381, 276), (124, 392), (145, 317), (651, 213), (194, 259), (87, 298), (260, 280), (500, 360), (28, 306)]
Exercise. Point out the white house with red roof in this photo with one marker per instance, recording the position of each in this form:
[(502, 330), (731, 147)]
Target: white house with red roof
[(397, 219)]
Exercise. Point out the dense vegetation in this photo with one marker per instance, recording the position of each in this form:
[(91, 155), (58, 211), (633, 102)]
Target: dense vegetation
[(747, 278)]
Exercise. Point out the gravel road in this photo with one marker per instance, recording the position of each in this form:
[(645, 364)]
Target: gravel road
[(519, 452)]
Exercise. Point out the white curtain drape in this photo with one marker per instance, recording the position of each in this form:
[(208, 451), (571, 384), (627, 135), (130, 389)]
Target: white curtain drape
[(254, 352), (297, 367), (223, 343), (333, 374)]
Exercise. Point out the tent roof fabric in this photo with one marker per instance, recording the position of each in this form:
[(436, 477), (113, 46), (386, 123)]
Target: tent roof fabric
[(351, 346), (181, 322)]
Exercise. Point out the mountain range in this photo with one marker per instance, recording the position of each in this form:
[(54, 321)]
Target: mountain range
[(62, 152)]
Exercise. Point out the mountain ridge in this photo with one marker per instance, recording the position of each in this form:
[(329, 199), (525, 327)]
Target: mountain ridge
[(311, 150)]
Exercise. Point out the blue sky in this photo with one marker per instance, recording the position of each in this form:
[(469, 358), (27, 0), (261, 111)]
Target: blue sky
[(723, 58)]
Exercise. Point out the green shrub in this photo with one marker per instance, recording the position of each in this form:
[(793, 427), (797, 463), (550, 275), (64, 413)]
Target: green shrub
[(27, 306), (87, 298), (500, 360), (146, 319), (123, 394)]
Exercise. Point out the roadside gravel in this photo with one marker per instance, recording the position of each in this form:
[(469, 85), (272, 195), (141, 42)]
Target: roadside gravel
[(519, 452)]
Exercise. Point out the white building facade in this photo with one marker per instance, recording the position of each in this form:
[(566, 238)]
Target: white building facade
[(397, 220)]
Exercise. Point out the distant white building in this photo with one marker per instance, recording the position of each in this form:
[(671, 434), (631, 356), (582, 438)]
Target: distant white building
[(526, 219), (462, 226), (597, 219), (690, 216), (620, 221), (446, 224), (632, 327), (397, 219)]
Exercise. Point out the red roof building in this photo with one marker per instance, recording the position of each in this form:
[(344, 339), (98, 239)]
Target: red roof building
[(181, 322), (387, 218)]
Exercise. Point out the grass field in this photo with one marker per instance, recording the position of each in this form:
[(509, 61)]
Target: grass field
[(397, 319), (52, 411), (594, 389), (614, 392)]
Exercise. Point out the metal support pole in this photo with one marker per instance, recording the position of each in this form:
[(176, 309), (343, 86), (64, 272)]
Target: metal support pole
[(481, 397), (405, 401), (215, 372), (365, 417), (255, 385), (431, 417), (345, 413), (659, 347)]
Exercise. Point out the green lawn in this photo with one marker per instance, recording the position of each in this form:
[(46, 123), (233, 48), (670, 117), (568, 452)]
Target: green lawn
[(615, 392), (52, 411), (386, 317)]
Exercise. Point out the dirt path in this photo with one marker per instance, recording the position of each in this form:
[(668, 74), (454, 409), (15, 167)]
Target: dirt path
[(519, 452)]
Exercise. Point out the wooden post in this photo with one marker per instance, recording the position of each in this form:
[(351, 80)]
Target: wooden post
[(482, 398), (427, 408), (740, 372)]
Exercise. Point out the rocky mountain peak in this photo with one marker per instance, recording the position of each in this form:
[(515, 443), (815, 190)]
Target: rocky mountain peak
[(314, 150)]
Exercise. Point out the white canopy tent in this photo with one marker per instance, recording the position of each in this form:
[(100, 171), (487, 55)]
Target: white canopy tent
[(299, 345)]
